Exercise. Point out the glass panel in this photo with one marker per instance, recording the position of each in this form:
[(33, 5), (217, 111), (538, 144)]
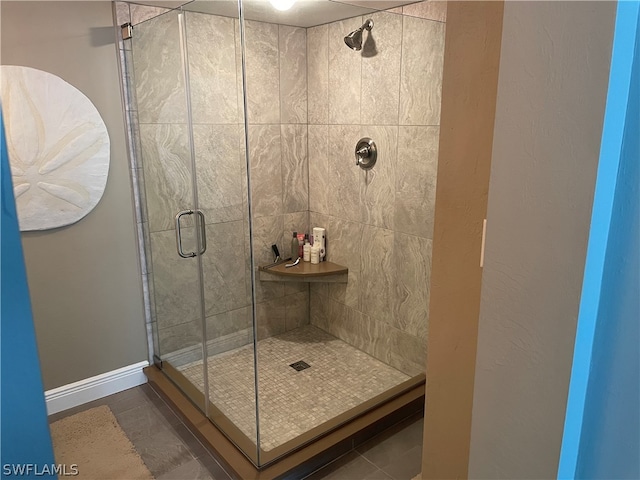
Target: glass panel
[(293, 116), (215, 72), (167, 165), (311, 98)]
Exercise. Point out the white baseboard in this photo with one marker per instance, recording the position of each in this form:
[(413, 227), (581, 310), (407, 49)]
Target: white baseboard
[(89, 389)]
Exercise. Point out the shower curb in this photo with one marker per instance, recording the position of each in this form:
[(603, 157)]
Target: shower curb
[(301, 462)]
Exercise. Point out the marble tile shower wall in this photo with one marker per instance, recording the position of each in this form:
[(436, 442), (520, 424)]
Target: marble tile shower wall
[(310, 99), (379, 222), (276, 84)]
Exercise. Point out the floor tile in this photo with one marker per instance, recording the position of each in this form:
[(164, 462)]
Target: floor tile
[(192, 470), (192, 443), (127, 400), (142, 421), (213, 467), (384, 449), (340, 377), (352, 467), (406, 466), (377, 475), (333, 466), (162, 451), (171, 451)]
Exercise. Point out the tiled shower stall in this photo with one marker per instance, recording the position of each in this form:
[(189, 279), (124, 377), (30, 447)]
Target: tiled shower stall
[(309, 99)]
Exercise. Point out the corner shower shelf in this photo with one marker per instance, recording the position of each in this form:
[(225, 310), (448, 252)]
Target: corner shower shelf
[(305, 272)]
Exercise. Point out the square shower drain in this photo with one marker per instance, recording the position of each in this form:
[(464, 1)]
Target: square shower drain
[(299, 365)]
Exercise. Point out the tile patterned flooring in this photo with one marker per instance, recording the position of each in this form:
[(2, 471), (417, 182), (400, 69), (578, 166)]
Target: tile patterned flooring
[(171, 452), (292, 402)]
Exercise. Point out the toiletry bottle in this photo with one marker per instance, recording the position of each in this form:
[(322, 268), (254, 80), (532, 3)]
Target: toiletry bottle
[(319, 238), (300, 245), (306, 251), (294, 247), (315, 254)]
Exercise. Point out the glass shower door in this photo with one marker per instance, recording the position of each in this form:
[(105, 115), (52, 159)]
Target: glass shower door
[(176, 230), (216, 101), (187, 69)]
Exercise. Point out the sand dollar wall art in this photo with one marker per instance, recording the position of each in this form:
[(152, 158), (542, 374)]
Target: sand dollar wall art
[(58, 148)]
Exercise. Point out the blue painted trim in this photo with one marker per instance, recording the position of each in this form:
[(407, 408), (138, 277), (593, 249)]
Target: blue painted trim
[(626, 27), (25, 442)]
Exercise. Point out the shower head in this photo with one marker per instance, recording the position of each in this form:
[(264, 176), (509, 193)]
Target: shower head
[(354, 39)]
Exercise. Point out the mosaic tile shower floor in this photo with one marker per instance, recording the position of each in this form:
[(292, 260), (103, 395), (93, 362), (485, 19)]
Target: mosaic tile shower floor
[(292, 402)]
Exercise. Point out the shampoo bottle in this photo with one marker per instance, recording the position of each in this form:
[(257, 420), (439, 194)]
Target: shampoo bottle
[(300, 245), (306, 251), (315, 254), (294, 247)]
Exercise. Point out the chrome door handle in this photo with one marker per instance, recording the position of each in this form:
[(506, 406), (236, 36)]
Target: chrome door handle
[(203, 233)]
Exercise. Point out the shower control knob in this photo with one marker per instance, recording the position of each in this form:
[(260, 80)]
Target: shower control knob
[(366, 153)]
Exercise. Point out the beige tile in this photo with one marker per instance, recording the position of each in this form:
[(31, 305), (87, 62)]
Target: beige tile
[(319, 168), (378, 271), (239, 77), (167, 173), (344, 176), (421, 76), (263, 76), (175, 282), (293, 74), (295, 222), (266, 169), (143, 13), (319, 289), (219, 172), (226, 323), (347, 293), (415, 191), (296, 310), (406, 352), (318, 310), (266, 232), (338, 322), (223, 268), (123, 15), (344, 245), (412, 257), (179, 337), (295, 168), (367, 334), (270, 318), (318, 74), (381, 71), (158, 70), (430, 10), (340, 377), (377, 185), (345, 74), (212, 70)]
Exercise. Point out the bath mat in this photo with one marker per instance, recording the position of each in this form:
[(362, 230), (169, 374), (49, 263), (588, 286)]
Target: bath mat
[(94, 441)]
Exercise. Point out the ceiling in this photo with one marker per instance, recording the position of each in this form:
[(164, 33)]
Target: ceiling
[(303, 13)]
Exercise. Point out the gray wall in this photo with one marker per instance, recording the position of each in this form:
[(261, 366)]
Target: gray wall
[(551, 96), (84, 279), (379, 222)]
